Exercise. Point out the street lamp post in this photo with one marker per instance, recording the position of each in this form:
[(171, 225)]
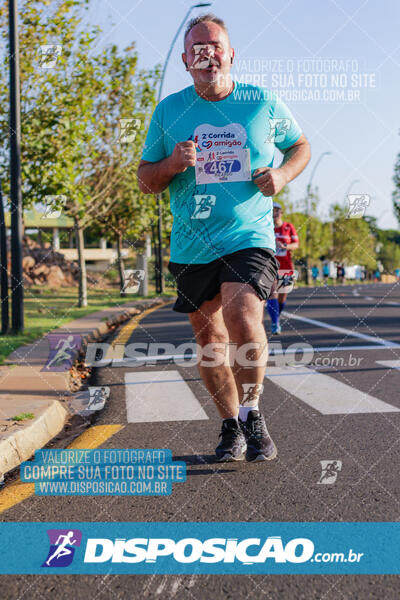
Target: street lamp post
[(308, 193), (350, 186), (17, 290), (3, 267), (159, 265)]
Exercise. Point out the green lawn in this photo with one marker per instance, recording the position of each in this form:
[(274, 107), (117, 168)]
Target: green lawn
[(47, 309)]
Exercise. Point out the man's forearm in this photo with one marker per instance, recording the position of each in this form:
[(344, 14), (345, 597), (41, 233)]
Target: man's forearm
[(153, 178), (295, 160)]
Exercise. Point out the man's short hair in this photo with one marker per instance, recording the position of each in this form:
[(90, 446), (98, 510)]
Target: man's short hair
[(207, 18)]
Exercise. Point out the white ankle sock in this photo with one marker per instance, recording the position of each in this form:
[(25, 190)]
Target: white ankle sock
[(244, 411)]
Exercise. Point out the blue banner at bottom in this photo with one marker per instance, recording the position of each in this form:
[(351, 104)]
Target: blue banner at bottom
[(214, 548)]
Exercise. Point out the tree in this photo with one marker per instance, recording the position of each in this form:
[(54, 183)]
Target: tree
[(389, 256), (352, 240), (315, 237), (396, 192), (70, 145), (126, 112), (388, 243)]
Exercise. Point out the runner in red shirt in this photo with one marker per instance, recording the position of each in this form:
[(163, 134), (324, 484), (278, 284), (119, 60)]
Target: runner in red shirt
[(286, 239)]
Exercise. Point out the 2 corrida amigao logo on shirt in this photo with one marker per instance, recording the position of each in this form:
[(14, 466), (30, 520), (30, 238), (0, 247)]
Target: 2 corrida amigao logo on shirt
[(228, 136)]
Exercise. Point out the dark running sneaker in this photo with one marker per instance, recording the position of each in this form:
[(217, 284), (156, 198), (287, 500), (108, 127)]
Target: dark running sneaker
[(259, 443), (233, 443)]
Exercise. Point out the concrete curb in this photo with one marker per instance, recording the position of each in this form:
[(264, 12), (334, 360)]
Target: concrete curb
[(21, 445), (18, 442)]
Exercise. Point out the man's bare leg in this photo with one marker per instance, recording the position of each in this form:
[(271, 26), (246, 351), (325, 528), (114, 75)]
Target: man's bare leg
[(209, 327), (243, 313)]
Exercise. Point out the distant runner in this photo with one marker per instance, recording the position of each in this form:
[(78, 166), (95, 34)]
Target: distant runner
[(315, 273), (286, 240)]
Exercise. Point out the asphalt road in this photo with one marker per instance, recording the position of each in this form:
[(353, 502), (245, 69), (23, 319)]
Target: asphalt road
[(354, 336)]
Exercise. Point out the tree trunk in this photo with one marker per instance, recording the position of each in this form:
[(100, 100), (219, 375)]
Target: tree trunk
[(120, 264), (82, 265)]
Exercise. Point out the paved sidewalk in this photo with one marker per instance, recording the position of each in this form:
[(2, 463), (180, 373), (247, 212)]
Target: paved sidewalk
[(26, 388)]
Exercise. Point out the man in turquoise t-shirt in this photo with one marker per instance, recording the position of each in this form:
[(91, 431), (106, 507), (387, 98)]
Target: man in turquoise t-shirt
[(213, 145)]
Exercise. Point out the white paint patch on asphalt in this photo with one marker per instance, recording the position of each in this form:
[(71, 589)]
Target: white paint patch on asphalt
[(392, 364), (154, 396), (325, 394), (347, 332)]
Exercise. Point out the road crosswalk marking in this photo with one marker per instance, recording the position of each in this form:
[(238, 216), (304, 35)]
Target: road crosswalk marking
[(325, 393), (154, 396)]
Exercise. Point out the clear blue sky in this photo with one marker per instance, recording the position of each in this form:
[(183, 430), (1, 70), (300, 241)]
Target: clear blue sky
[(363, 134)]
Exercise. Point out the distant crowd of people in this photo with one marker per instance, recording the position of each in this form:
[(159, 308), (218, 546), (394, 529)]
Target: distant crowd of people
[(361, 273)]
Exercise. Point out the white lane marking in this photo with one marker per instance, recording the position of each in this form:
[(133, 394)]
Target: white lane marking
[(325, 349), (154, 396), (348, 332), (326, 394), (392, 364)]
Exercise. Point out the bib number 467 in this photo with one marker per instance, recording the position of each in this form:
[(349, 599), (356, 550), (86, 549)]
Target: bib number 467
[(220, 167)]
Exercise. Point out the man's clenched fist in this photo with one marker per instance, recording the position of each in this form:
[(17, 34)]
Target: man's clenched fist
[(269, 181), (183, 156)]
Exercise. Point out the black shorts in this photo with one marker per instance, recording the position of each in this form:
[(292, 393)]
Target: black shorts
[(197, 283)]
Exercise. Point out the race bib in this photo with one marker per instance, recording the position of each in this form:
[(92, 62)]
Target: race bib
[(222, 166), (222, 157)]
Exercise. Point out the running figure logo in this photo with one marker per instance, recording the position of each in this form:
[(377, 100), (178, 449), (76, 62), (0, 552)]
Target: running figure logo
[(204, 56), (251, 393), (278, 129), (204, 204), (357, 205), (54, 206), (128, 130), (132, 280), (64, 347), (98, 396), (330, 470), (49, 54), (62, 547)]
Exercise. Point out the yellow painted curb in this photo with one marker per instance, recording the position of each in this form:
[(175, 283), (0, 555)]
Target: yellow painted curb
[(91, 438)]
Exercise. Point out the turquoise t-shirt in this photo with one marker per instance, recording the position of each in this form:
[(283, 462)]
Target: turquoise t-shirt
[(214, 219)]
